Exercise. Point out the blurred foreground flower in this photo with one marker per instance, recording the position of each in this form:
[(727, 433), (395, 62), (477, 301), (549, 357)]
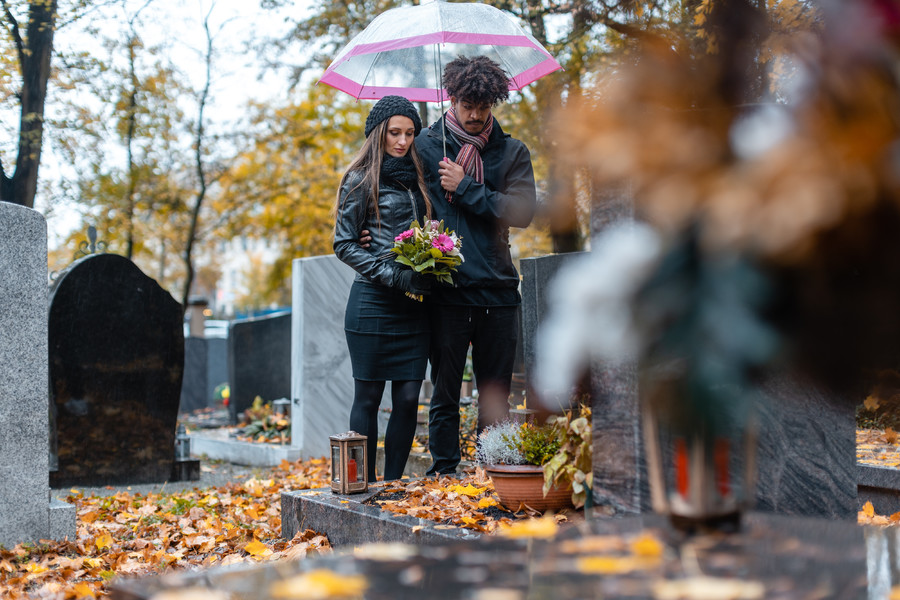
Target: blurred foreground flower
[(769, 167)]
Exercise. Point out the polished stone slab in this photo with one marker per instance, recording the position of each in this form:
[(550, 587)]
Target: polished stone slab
[(321, 375), (26, 513), (259, 361), (774, 557), (806, 453), (116, 344), (348, 521), (880, 486)]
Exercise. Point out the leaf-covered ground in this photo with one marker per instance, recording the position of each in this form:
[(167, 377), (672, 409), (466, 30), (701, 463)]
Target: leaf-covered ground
[(135, 535)]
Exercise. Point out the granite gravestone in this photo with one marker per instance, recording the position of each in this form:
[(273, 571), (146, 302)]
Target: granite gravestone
[(259, 361), (194, 386), (27, 513), (806, 451), (116, 360)]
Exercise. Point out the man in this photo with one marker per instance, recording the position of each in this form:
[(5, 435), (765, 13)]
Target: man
[(486, 188)]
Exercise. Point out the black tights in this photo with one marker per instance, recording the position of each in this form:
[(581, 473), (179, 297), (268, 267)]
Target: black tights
[(401, 428)]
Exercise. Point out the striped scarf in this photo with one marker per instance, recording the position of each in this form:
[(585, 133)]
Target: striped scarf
[(469, 157)]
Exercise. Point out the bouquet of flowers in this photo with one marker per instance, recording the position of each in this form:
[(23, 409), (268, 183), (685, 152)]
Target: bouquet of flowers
[(429, 249)]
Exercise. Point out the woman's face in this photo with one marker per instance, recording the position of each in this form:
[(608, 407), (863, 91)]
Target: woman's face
[(400, 135)]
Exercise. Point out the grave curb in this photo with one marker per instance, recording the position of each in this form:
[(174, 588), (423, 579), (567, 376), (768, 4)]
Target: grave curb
[(250, 454), (880, 486), (347, 521)]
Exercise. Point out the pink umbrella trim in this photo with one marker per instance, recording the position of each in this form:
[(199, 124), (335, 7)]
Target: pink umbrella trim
[(371, 92)]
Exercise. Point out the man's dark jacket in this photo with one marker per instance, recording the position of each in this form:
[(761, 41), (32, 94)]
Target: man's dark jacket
[(481, 214)]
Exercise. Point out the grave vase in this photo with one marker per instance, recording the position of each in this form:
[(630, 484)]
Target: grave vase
[(701, 455), (524, 484)]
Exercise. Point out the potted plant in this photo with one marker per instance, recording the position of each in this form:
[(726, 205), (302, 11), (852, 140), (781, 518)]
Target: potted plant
[(514, 455)]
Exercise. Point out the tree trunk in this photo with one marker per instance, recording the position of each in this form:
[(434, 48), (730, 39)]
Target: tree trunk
[(35, 51)]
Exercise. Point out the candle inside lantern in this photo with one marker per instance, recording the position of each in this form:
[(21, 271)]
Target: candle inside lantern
[(681, 467), (351, 470)]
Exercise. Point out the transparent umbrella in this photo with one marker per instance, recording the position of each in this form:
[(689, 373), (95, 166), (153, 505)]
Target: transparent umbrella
[(403, 51)]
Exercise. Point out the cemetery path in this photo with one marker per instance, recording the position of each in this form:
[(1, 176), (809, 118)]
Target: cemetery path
[(212, 474)]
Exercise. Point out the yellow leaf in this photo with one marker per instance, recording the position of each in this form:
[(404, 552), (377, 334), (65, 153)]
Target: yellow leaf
[(647, 545), (471, 520), (610, 565), (257, 548), (319, 583), (103, 541), (487, 502), (93, 563), (895, 593), (35, 568), (868, 509), (532, 528), (469, 490)]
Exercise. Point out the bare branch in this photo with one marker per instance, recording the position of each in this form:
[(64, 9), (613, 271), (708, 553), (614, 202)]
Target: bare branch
[(13, 28)]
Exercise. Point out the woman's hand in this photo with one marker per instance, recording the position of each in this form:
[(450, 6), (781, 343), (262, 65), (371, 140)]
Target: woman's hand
[(364, 238)]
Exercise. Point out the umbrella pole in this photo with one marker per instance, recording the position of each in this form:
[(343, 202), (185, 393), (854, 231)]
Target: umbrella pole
[(439, 75)]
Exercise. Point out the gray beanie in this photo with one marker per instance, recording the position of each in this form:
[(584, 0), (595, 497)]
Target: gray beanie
[(390, 106)]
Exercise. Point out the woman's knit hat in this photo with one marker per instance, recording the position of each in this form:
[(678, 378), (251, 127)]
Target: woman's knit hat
[(390, 106)]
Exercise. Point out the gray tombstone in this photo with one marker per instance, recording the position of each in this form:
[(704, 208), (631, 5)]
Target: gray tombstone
[(116, 362), (259, 361), (27, 512), (321, 378)]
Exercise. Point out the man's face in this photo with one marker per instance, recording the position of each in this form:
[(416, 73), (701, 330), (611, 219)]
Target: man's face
[(473, 117)]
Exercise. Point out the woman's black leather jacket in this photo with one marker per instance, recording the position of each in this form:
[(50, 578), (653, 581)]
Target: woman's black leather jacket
[(398, 207)]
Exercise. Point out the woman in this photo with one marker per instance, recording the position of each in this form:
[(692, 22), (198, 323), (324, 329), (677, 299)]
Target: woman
[(387, 332)]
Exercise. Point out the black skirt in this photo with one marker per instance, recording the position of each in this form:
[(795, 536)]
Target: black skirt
[(387, 334)]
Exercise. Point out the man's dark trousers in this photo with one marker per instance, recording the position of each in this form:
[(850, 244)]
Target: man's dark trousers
[(493, 333)]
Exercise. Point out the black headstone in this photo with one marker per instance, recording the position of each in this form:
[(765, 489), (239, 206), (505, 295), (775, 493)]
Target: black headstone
[(116, 359), (259, 360), (194, 386)]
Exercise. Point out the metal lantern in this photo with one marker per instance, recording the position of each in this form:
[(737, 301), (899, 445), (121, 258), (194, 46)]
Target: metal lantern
[(701, 468), (348, 463), (182, 444)]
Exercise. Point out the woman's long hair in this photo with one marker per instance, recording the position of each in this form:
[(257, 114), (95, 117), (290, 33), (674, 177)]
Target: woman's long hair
[(368, 161)]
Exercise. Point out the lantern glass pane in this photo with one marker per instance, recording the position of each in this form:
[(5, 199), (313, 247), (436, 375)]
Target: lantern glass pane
[(356, 464), (335, 463)]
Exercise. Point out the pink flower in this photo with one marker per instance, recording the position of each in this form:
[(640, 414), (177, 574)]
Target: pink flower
[(442, 242), (405, 235)]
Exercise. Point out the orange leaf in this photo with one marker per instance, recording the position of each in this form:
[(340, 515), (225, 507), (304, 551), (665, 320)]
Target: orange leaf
[(868, 509), (890, 436), (871, 403)]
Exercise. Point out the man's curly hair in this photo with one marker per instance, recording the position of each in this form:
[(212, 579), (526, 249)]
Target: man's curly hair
[(479, 80)]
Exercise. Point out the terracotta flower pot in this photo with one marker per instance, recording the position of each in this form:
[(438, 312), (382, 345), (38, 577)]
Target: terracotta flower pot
[(516, 484)]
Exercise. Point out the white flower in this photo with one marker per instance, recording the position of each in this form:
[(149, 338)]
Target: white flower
[(590, 313)]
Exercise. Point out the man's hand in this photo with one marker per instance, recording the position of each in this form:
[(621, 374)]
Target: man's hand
[(451, 174), (364, 238)]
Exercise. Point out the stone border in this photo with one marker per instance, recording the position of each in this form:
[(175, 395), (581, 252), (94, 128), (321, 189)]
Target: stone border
[(346, 520), (241, 453), (880, 486)]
